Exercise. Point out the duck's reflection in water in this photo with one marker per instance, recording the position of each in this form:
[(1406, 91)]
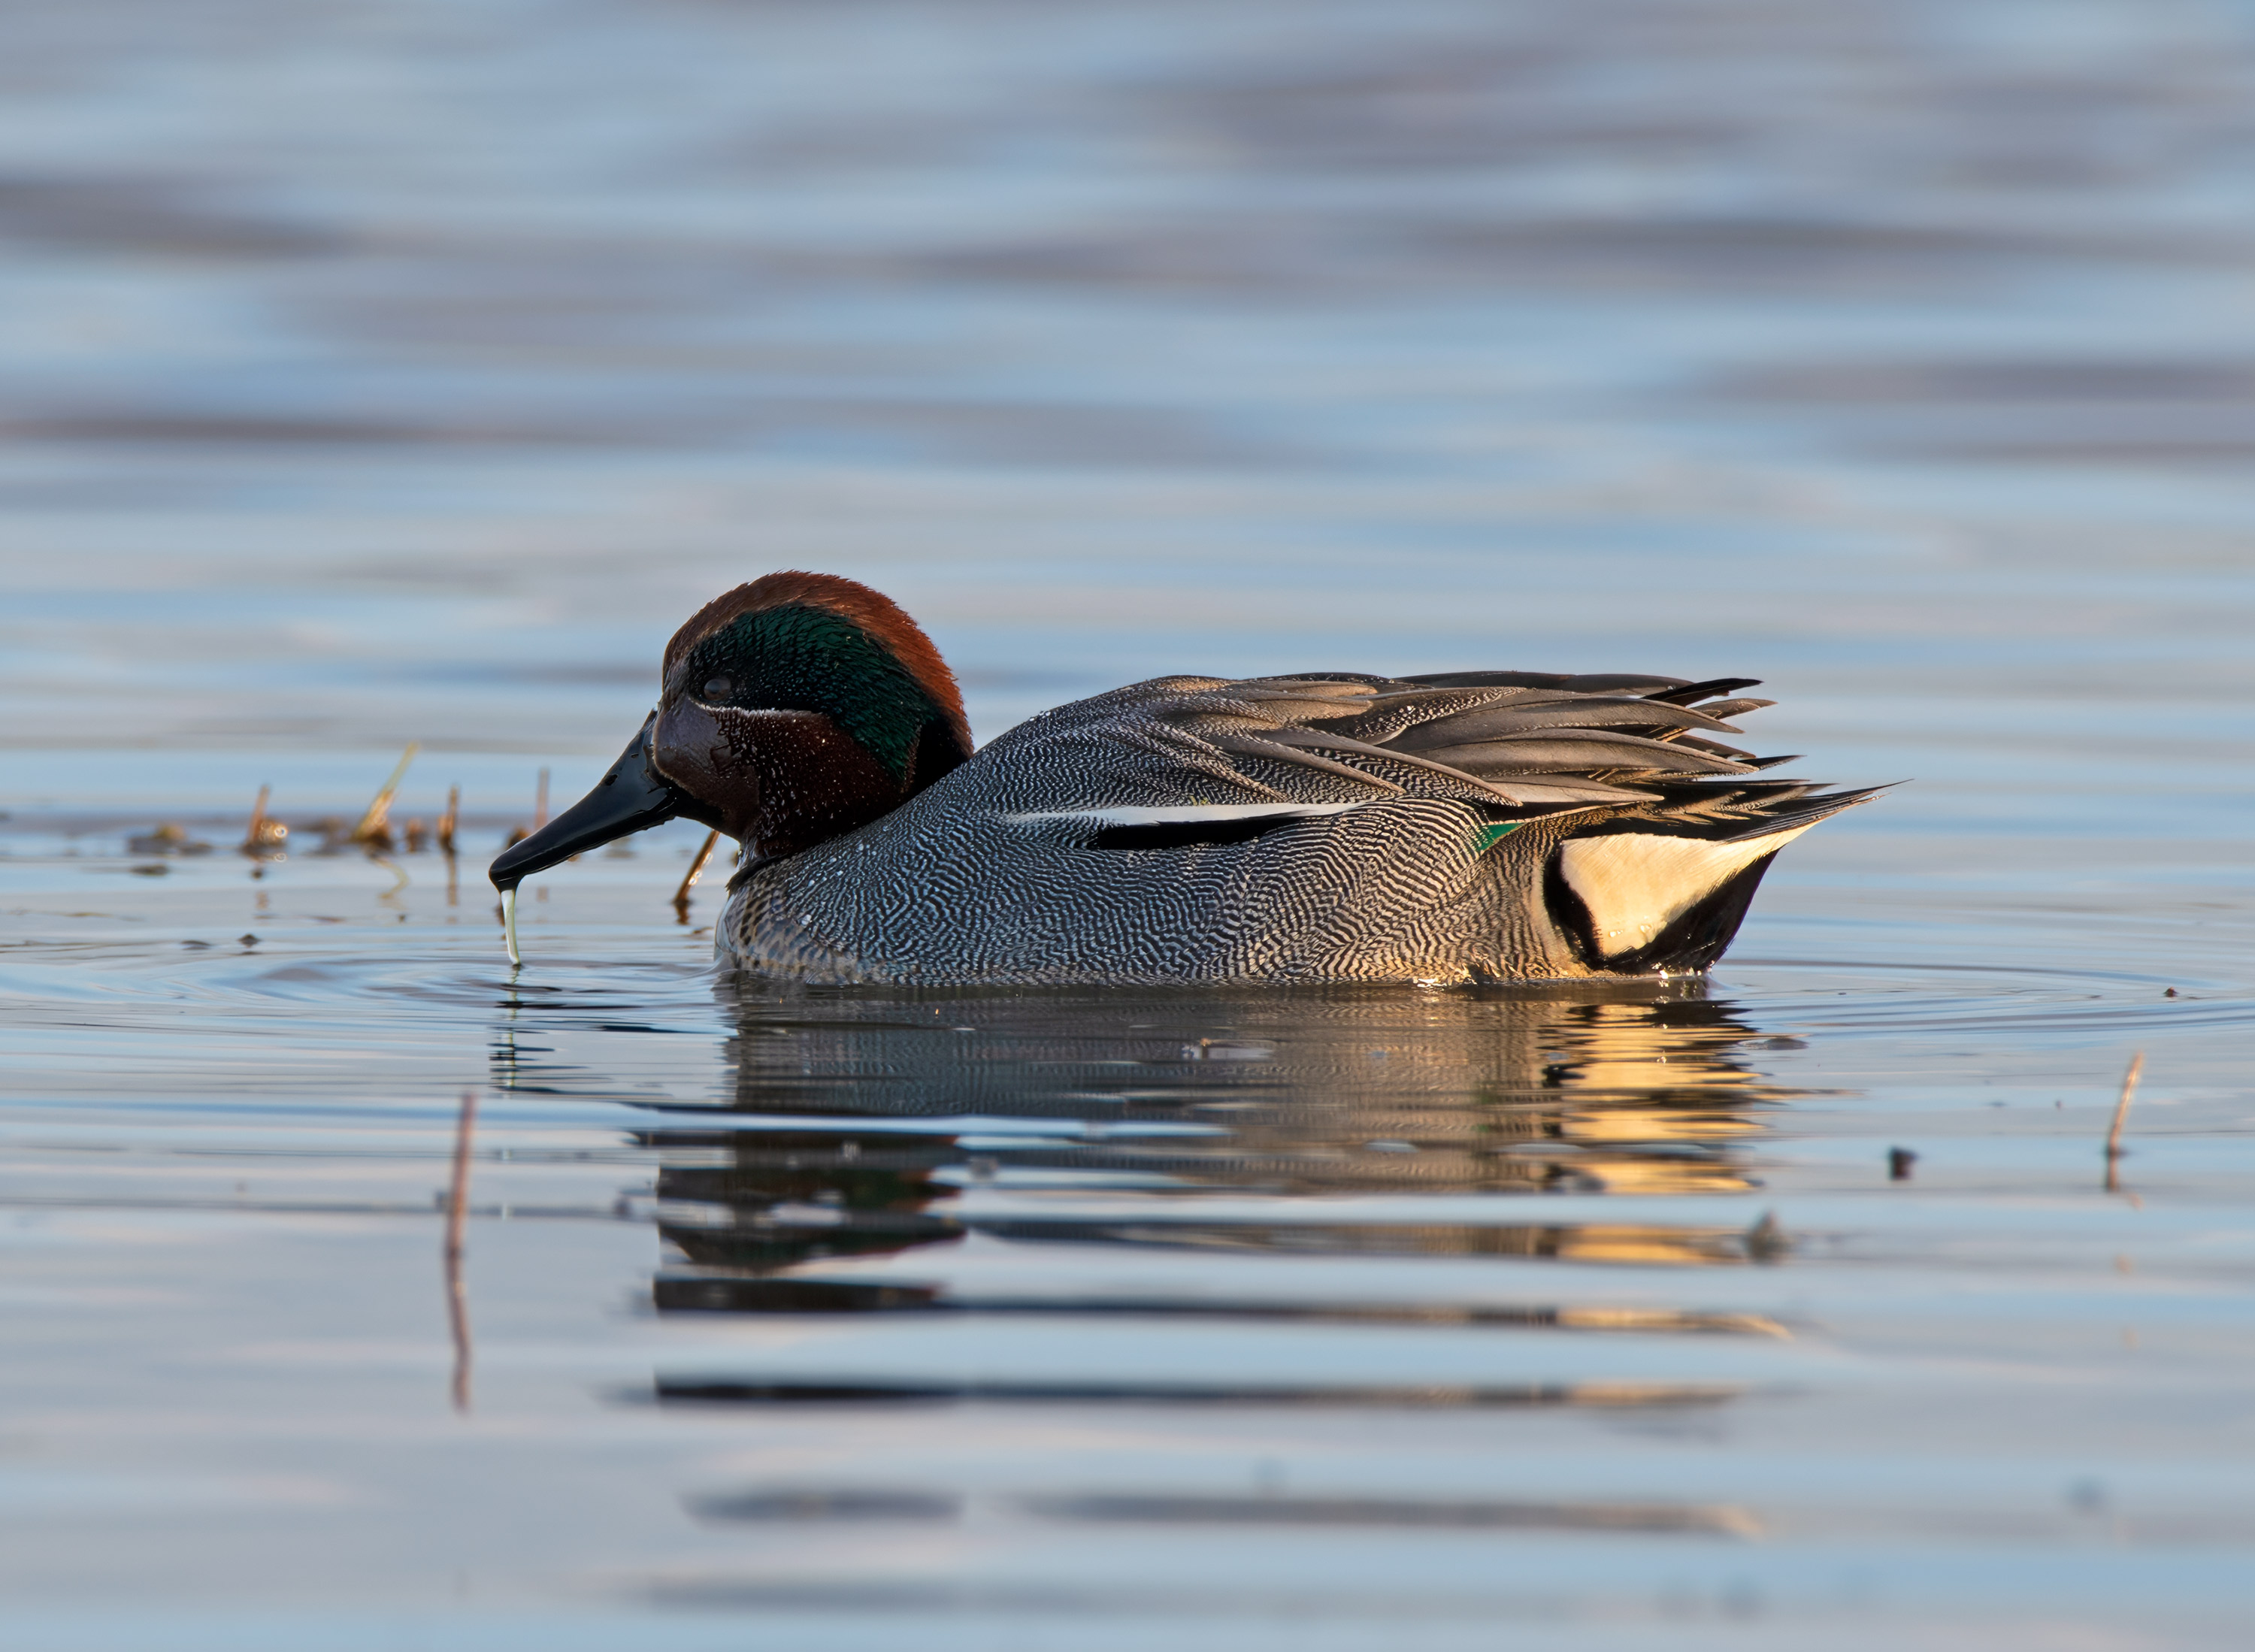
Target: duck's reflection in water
[(1235, 1172), (866, 1127)]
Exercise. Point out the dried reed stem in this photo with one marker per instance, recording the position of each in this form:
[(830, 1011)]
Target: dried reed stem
[(265, 835), (457, 1206), (2121, 1117), (449, 823), (372, 825), (696, 870)]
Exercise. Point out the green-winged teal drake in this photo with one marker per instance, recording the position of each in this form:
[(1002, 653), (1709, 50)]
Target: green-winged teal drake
[(1459, 826)]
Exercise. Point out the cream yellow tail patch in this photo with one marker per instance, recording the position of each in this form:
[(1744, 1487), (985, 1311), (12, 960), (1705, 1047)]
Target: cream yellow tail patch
[(1635, 884)]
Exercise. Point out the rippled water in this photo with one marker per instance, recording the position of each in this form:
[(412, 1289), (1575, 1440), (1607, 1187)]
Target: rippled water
[(379, 375)]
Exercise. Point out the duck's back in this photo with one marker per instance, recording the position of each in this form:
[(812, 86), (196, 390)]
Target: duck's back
[(1331, 827)]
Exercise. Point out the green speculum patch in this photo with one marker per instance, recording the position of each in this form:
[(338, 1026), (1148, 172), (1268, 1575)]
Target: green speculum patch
[(803, 658), (1488, 836)]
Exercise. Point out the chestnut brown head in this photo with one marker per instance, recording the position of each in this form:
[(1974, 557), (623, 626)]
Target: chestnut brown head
[(792, 710)]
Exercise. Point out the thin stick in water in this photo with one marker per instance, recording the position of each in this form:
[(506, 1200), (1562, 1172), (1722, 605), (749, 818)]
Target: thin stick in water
[(689, 879), (508, 924), (448, 822), (457, 1206), (540, 803), (2121, 1117)]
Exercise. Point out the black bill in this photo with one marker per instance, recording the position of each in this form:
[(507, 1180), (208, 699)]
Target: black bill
[(631, 797)]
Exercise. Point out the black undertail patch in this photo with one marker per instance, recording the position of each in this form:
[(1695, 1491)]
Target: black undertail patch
[(1569, 914)]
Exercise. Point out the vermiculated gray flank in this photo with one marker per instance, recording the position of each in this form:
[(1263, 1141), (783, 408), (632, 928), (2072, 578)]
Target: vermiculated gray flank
[(1465, 827)]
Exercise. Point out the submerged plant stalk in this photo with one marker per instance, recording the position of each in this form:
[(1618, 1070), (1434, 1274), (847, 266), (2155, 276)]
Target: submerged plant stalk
[(696, 870)]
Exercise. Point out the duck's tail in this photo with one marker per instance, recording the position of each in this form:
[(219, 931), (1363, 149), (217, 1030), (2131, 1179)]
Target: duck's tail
[(1665, 890)]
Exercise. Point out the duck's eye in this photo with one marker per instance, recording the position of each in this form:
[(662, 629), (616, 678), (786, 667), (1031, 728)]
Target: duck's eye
[(716, 688)]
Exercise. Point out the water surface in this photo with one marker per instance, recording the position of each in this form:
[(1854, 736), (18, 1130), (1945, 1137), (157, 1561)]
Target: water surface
[(379, 375)]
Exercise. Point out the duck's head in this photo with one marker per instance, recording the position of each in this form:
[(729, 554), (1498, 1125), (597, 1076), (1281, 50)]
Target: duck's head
[(791, 711)]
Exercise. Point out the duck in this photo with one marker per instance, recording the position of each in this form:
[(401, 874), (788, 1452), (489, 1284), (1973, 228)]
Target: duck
[(1452, 828)]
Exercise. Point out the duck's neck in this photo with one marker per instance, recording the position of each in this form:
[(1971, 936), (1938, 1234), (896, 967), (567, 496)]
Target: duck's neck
[(816, 783)]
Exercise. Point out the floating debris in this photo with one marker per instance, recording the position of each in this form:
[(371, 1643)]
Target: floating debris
[(167, 839), (1899, 1159), (334, 839), (374, 830)]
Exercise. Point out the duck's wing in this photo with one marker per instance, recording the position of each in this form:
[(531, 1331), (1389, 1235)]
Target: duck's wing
[(1519, 744), (1651, 828)]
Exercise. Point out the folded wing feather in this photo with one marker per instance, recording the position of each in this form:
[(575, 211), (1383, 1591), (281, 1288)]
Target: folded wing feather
[(1518, 743)]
